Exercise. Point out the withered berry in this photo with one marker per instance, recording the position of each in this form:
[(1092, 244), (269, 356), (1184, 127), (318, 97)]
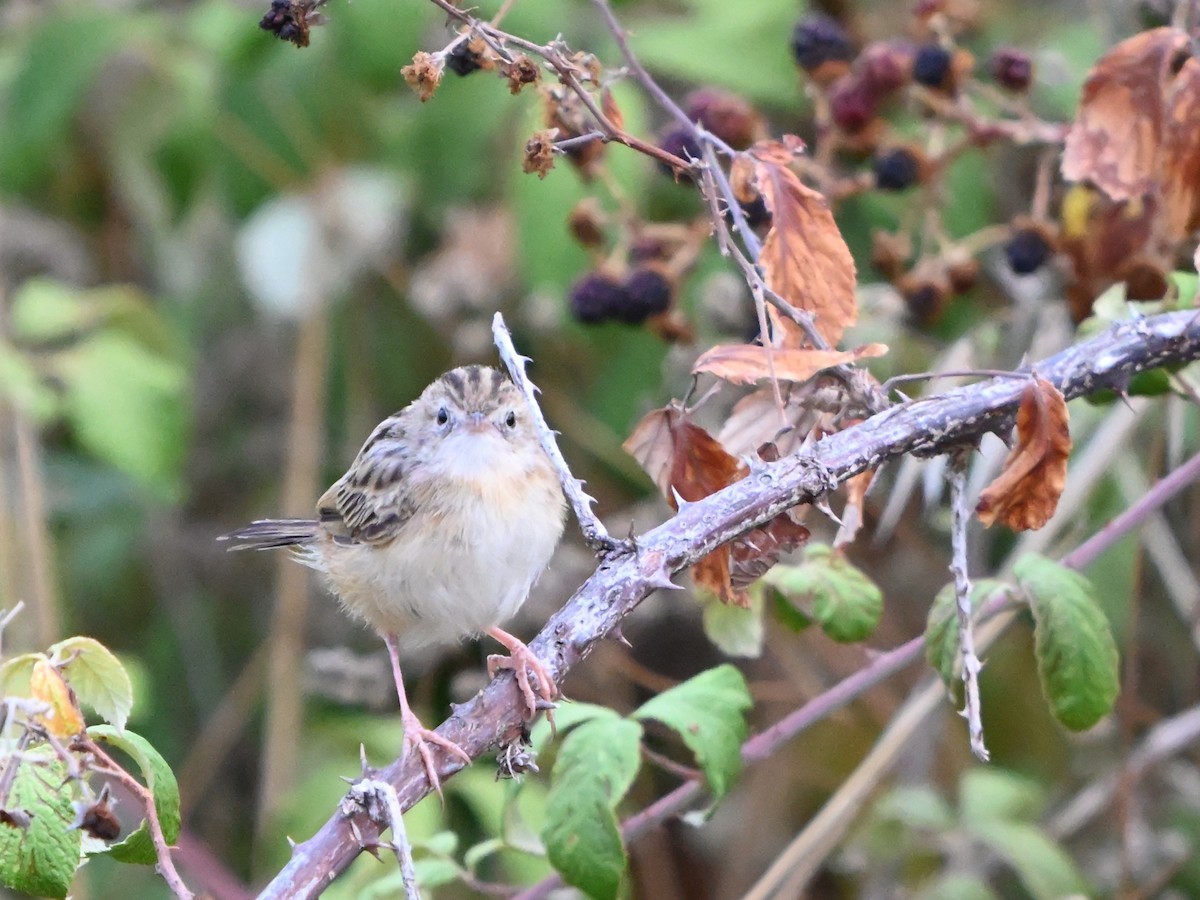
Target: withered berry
[(896, 169), (648, 293), (1027, 251), (851, 105), (726, 115), (931, 66), (596, 297), (817, 40), (756, 212), (885, 66), (1012, 69), (681, 143), (464, 59)]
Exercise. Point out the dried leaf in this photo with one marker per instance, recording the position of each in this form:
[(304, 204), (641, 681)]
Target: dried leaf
[(1181, 152), (755, 420), (687, 462), (64, 719), (1134, 134), (747, 363), (852, 514), (1025, 493), (1114, 142), (804, 257)]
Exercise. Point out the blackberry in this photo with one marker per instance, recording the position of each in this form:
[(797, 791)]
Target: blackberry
[(464, 59), (1027, 251), (931, 66), (896, 169), (647, 293), (1012, 69), (680, 142), (851, 105), (596, 298), (726, 115), (817, 40)]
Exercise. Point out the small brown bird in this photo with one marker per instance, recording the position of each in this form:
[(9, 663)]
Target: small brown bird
[(438, 531)]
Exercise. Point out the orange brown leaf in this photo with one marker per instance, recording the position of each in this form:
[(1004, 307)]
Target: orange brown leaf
[(747, 363), (1025, 493), (63, 720), (688, 463), (804, 258)]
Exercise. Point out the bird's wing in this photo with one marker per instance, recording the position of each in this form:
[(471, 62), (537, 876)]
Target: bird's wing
[(373, 500)]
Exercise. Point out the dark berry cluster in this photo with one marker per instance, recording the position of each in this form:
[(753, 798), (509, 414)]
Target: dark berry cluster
[(1012, 69), (597, 297), (1028, 250), (820, 44), (290, 20), (464, 58), (896, 169)]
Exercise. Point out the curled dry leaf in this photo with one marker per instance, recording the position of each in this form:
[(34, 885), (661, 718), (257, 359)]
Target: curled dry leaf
[(686, 462), (1025, 493), (747, 363), (1134, 134), (804, 258)]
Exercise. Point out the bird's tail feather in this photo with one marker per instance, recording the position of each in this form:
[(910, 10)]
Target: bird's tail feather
[(266, 534)]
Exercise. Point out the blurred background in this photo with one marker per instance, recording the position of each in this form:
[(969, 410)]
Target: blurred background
[(223, 259)]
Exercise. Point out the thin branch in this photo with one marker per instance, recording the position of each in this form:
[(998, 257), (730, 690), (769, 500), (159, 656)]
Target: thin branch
[(594, 532), (166, 866), (960, 517), (931, 425), (379, 801)]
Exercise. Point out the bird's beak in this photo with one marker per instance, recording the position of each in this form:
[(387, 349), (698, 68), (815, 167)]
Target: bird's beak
[(477, 421)]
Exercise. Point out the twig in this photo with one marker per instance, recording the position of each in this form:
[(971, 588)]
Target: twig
[(6, 620), (960, 517), (594, 532), (379, 801), (931, 425), (166, 866)]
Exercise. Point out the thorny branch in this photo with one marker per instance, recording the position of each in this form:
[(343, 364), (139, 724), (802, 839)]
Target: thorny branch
[(931, 425), (594, 532)]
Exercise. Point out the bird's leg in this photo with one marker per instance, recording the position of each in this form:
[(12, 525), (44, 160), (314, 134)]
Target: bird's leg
[(522, 660), (416, 734)]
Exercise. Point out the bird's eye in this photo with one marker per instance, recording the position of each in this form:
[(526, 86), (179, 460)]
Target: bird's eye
[(443, 416), (511, 419)]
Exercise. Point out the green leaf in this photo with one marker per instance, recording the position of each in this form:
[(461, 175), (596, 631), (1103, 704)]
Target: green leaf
[(58, 68), (957, 886), (433, 871), (787, 613), (41, 858), (1043, 867), (568, 715), (708, 713), (128, 405), (45, 310), (14, 674), (916, 806), (138, 847), (595, 767), (845, 602), (734, 630), (1073, 641), (712, 41), (96, 676), (987, 794), (941, 628), (21, 385)]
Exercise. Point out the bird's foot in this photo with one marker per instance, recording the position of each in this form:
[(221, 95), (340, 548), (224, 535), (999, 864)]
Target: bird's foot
[(418, 737), (523, 661)]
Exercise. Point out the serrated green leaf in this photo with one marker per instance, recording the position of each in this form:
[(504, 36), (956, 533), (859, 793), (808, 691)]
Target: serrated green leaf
[(128, 405), (158, 777), (845, 602), (708, 713), (987, 794), (1043, 867), (595, 767), (568, 715), (1073, 642), (96, 676), (941, 627), (916, 806), (791, 617), (41, 858), (734, 630)]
